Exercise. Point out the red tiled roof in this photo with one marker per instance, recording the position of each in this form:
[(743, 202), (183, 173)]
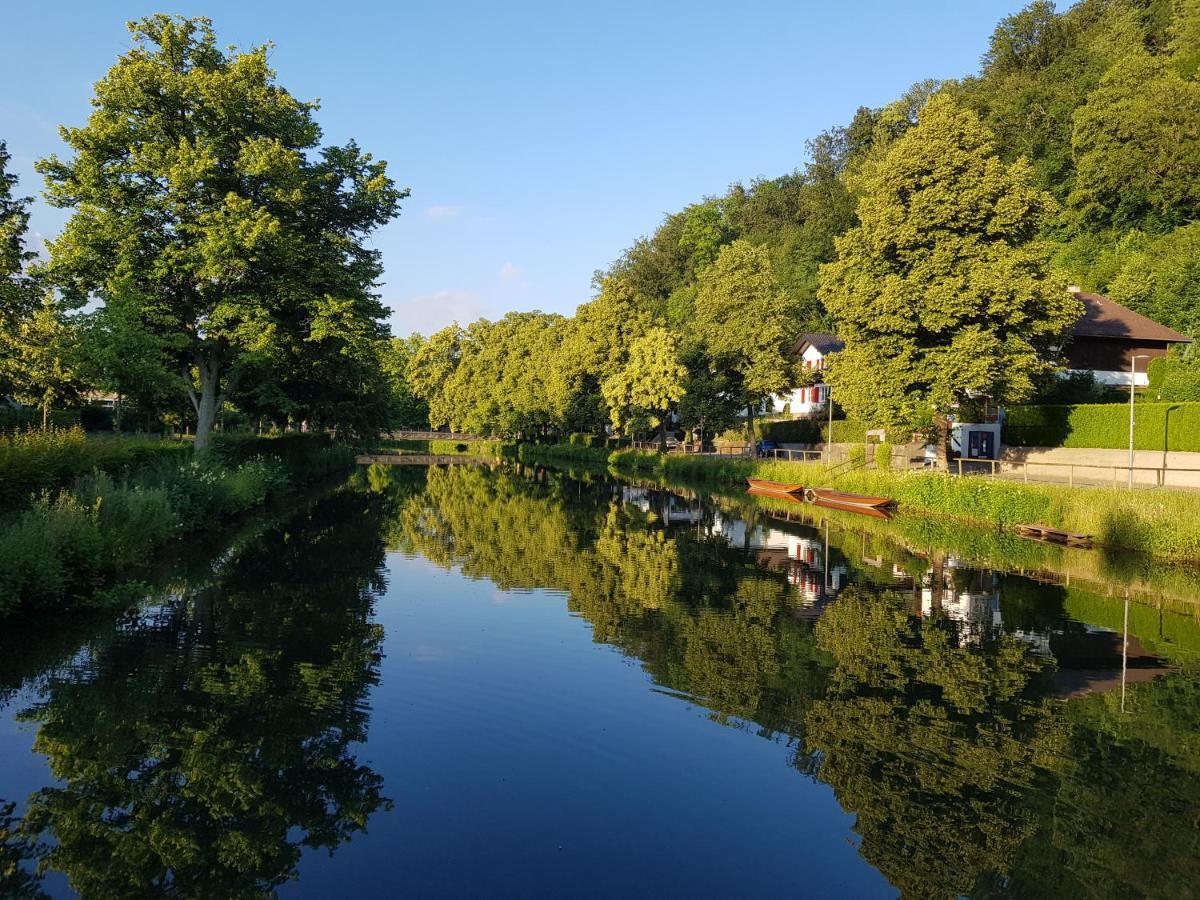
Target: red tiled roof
[(1108, 319)]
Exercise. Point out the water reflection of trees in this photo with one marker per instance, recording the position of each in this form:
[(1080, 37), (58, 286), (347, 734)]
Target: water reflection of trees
[(202, 748), (934, 742), (937, 732)]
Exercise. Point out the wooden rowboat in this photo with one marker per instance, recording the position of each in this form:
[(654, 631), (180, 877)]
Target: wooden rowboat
[(774, 487), (844, 498), (872, 511)]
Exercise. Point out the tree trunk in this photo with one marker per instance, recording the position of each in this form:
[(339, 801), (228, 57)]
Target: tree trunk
[(45, 415), (207, 403), (750, 425), (942, 439), (662, 434)]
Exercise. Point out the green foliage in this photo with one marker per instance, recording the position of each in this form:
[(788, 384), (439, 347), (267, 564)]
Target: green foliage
[(649, 384), (1175, 377), (256, 262), (883, 456), (305, 456), (1137, 149), (929, 321), (1162, 279), (407, 409), (39, 357), (104, 527), (1157, 426), (746, 323), (18, 290), (120, 353), (65, 546), (790, 431), (1076, 387), (36, 461)]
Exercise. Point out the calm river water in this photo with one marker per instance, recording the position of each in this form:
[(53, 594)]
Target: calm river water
[(473, 682)]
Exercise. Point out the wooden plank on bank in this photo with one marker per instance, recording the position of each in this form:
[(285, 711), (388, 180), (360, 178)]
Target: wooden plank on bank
[(1054, 535)]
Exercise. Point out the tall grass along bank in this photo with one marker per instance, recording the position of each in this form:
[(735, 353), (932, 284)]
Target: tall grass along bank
[(70, 544), (34, 461), (1162, 523)]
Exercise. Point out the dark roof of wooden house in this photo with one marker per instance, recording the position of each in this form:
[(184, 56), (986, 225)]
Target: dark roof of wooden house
[(824, 343), (1105, 318)]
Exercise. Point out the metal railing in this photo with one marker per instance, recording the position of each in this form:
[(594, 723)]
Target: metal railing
[(797, 455), (1104, 472)]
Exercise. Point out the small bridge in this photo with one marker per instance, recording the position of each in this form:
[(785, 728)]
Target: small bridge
[(421, 459), (434, 436)]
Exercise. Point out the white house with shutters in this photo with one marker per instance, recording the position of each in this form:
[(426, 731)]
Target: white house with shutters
[(813, 350)]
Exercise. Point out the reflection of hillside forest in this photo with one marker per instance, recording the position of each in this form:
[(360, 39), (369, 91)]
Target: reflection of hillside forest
[(928, 695), (979, 724)]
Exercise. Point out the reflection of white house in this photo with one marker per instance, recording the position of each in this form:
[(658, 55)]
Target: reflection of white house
[(813, 350)]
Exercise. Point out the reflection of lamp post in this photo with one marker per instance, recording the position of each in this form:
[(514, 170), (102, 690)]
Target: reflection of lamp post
[(1124, 649), (1132, 379)]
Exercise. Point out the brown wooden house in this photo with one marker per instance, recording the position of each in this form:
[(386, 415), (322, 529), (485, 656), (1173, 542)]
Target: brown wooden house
[(1111, 341)]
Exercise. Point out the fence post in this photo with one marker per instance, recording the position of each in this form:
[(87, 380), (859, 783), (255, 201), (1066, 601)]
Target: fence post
[(1025, 469), (960, 467), (1114, 474), (1071, 476)]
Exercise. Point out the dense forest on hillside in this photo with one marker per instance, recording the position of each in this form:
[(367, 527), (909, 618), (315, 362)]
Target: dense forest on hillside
[(1095, 109), (935, 235)]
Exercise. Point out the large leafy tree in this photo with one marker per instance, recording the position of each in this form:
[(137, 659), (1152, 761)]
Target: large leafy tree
[(407, 409), (195, 195), (944, 293), (649, 384), (595, 347), (747, 324)]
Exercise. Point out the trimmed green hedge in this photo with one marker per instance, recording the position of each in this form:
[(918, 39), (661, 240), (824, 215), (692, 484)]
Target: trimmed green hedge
[(1158, 426), (811, 431)]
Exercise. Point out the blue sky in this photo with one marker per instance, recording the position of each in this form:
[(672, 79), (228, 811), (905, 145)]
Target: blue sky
[(539, 139)]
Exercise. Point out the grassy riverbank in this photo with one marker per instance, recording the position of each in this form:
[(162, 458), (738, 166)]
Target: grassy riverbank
[(77, 544), (1162, 523)]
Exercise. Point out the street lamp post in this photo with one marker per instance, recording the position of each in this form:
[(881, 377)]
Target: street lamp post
[(1132, 379), (829, 434)]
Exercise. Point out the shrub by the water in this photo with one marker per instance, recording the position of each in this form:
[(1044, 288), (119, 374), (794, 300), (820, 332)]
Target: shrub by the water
[(34, 461), (883, 456)]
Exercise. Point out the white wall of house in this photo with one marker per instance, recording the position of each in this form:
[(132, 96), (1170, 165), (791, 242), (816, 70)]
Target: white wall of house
[(1112, 379), (805, 401)]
